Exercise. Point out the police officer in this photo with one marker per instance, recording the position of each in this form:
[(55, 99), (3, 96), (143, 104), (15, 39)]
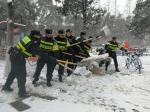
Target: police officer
[(87, 45), (49, 46), (80, 47), (71, 40), (110, 48), (26, 47), (63, 46)]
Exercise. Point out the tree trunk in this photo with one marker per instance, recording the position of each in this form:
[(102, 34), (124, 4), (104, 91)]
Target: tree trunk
[(10, 35), (84, 4)]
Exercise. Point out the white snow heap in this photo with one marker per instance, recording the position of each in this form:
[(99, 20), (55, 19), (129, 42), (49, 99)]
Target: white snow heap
[(9, 1)]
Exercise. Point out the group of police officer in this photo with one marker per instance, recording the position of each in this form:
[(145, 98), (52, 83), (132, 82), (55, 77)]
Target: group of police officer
[(49, 50)]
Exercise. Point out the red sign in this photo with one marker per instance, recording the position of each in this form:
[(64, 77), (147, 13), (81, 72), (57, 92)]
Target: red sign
[(15, 31)]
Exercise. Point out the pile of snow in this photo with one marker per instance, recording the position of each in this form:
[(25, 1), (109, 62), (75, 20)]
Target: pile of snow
[(93, 91)]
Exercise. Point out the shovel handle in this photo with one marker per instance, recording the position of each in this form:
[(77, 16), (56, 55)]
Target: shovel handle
[(65, 67), (61, 61), (75, 55)]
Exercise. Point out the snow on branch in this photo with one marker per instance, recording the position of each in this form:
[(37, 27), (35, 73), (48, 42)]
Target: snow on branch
[(9, 1)]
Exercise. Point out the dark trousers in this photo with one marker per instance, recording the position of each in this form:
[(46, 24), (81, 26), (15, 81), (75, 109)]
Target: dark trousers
[(114, 57), (70, 59), (39, 67), (18, 70), (61, 69)]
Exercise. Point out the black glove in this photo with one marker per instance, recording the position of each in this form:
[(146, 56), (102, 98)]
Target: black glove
[(87, 55), (125, 50)]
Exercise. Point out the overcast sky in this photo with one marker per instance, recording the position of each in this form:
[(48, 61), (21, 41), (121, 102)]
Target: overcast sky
[(121, 5)]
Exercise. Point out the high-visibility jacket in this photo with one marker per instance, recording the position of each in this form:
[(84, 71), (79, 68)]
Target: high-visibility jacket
[(48, 44), (87, 47), (113, 45), (23, 44), (62, 43)]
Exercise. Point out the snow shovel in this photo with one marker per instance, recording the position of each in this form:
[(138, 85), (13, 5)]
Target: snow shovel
[(75, 55), (69, 69), (90, 60)]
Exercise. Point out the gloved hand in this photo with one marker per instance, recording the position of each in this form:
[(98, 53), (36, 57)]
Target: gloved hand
[(125, 50), (87, 55)]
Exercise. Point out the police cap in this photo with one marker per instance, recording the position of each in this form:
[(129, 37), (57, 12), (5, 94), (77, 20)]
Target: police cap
[(49, 31), (61, 31), (68, 30), (82, 33), (114, 38), (36, 32)]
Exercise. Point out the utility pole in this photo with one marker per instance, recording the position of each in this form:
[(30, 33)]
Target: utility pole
[(108, 9), (128, 7), (10, 34), (99, 3), (115, 8)]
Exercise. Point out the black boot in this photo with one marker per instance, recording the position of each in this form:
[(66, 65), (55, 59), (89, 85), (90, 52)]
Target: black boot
[(69, 74), (48, 83), (24, 95), (6, 88), (106, 66), (60, 78), (34, 81), (117, 70)]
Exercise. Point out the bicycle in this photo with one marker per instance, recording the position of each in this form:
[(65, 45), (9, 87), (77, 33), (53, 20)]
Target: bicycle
[(134, 60)]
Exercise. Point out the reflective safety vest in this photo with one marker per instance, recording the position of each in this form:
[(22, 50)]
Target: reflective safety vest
[(22, 45), (87, 48), (48, 46), (62, 45), (79, 45), (114, 46)]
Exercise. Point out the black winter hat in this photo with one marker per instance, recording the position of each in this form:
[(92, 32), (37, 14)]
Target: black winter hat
[(82, 33), (114, 38), (49, 31), (36, 32), (61, 31), (68, 30), (90, 41)]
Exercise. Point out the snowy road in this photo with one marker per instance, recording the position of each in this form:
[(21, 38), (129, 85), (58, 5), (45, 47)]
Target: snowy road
[(94, 91)]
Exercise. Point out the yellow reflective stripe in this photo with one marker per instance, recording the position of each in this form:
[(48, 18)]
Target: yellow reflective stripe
[(20, 45), (119, 46), (111, 47), (87, 48), (28, 54), (61, 48), (59, 42), (46, 47), (67, 44), (55, 47), (79, 47), (26, 40), (48, 43), (114, 45)]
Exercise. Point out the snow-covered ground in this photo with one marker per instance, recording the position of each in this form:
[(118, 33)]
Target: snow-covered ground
[(93, 91)]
